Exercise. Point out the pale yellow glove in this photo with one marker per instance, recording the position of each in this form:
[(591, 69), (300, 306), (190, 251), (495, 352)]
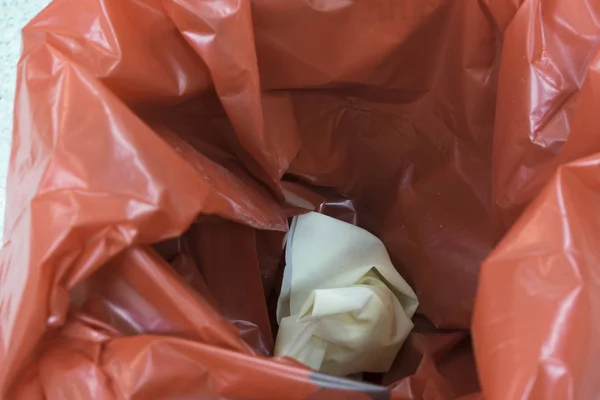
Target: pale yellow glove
[(343, 307)]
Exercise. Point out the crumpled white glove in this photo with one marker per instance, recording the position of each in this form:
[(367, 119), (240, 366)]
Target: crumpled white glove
[(343, 306)]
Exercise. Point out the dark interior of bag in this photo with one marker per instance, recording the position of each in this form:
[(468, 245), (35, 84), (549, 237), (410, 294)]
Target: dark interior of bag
[(387, 126), (394, 137)]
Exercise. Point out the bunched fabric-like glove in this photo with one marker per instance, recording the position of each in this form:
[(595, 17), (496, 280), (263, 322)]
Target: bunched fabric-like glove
[(343, 307)]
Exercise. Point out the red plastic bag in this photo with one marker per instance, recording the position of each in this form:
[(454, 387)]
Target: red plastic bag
[(160, 146)]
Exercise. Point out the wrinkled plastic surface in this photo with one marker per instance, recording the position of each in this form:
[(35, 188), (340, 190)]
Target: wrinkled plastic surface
[(203, 125)]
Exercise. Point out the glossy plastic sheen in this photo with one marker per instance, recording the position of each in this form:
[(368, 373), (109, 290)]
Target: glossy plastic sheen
[(160, 147)]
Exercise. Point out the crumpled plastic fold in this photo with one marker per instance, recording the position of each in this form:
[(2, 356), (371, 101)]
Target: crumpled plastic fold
[(160, 147)]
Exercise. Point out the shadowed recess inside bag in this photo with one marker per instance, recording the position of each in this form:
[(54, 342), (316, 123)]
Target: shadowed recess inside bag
[(162, 148)]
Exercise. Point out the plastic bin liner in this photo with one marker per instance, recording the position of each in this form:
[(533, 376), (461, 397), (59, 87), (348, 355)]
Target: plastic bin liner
[(160, 147)]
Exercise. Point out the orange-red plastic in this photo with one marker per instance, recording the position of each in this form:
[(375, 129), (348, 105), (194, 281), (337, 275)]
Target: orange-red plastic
[(160, 147)]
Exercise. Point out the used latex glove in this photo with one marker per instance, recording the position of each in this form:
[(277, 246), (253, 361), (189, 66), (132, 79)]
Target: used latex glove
[(343, 306)]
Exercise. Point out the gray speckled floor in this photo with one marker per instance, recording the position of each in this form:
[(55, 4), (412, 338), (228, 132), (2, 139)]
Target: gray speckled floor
[(14, 14)]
